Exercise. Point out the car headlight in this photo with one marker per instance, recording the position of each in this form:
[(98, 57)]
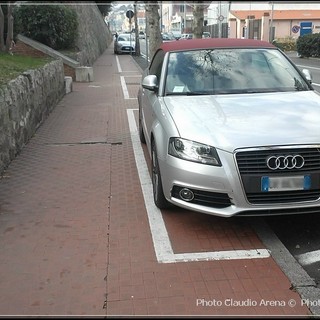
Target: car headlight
[(193, 151)]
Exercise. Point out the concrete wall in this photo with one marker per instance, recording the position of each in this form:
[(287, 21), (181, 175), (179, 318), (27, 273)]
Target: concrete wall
[(94, 35), (24, 104)]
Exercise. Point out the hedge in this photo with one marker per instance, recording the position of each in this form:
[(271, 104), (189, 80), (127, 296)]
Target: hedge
[(309, 45), (53, 25)]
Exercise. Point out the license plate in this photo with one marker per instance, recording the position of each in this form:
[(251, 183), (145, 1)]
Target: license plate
[(269, 184)]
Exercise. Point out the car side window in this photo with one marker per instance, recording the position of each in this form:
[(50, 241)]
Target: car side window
[(180, 73), (156, 64)]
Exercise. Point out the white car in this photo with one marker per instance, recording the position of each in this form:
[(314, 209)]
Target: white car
[(206, 34), (232, 127), (142, 35), (186, 36), (125, 43)]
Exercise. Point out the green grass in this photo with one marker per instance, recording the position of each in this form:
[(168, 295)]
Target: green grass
[(11, 66)]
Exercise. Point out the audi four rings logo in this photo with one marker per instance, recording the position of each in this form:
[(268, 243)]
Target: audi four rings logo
[(285, 162)]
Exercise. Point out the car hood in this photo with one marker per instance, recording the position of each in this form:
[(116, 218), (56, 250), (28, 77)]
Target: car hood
[(236, 121)]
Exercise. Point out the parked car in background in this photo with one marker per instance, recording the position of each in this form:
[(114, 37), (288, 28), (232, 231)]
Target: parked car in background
[(186, 36), (142, 35), (176, 34), (232, 128), (125, 43), (167, 36), (206, 34)]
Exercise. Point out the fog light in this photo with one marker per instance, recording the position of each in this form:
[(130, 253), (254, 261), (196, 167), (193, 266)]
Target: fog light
[(186, 194)]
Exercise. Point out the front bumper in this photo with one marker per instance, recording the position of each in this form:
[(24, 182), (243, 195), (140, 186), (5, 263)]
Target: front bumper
[(126, 49), (220, 191)]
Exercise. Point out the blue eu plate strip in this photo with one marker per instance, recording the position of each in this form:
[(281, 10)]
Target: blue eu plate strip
[(265, 184), (307, 182)]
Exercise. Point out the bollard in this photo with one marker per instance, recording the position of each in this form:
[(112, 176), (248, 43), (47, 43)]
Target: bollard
[(68, 84)]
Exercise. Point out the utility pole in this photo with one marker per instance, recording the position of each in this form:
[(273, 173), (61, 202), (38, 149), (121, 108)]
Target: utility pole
[(271, 24), (185, 17), (161, 22), (220, 21)]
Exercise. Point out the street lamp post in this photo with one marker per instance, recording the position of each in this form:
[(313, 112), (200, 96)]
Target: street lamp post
[(271, 24), (185, 17), (220, 20)]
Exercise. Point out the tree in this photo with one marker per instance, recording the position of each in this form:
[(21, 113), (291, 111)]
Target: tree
[(137, 48), (55, 26), (198, 17), (104, 7), (2, 46), (6, 45), (9, 40), (153, 25)]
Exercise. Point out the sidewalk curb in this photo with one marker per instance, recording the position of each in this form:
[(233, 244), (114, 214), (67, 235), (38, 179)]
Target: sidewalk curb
[(299, 278)]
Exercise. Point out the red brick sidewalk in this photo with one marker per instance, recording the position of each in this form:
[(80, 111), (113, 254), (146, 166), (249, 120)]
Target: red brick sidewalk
[(75, 237)]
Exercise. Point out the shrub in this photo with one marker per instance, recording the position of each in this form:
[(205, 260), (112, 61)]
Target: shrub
[(285, 44), (309, 45), (53, 25)]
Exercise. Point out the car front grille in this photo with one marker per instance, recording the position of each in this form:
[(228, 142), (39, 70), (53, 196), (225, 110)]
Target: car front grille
[(127, 49), (205, 198), (254, 162), (252, 167)]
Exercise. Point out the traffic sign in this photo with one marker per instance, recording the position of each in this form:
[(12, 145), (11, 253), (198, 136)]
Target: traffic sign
[(221, 18), (295, 29), (129, 14)]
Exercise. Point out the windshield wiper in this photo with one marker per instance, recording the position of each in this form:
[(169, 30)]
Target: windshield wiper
[(198, 93), (188, 93)]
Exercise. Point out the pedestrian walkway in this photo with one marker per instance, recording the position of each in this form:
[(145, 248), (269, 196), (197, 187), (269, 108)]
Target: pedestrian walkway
[(75, 236)]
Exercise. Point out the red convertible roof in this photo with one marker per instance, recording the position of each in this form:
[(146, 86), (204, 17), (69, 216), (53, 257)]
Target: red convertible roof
[(213, 43)]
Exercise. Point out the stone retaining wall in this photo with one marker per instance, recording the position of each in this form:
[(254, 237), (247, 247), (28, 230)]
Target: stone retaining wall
[(94, 35), (24, 104), (26, 101)]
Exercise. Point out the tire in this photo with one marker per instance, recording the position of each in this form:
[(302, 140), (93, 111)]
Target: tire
[(158, 195), (141, 133)]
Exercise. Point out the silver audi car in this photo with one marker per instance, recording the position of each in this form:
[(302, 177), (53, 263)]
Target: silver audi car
[(232, 127)]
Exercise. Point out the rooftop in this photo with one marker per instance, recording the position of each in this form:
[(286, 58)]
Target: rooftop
[(278, 14)]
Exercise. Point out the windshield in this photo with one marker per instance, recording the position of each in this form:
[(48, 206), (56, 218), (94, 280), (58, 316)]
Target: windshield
[(227, 71), (125, 37)]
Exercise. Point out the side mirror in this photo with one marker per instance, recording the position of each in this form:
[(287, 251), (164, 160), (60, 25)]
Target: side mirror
[(307, 74), (150, 83)]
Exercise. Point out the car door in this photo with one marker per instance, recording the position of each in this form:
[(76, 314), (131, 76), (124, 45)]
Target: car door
[(149, 99)]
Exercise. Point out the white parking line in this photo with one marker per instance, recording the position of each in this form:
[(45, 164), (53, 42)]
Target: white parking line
[(118, 64), (123, 82), (307, 67), (309, 257), (159, 233), (161, 241), (124, 88)]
